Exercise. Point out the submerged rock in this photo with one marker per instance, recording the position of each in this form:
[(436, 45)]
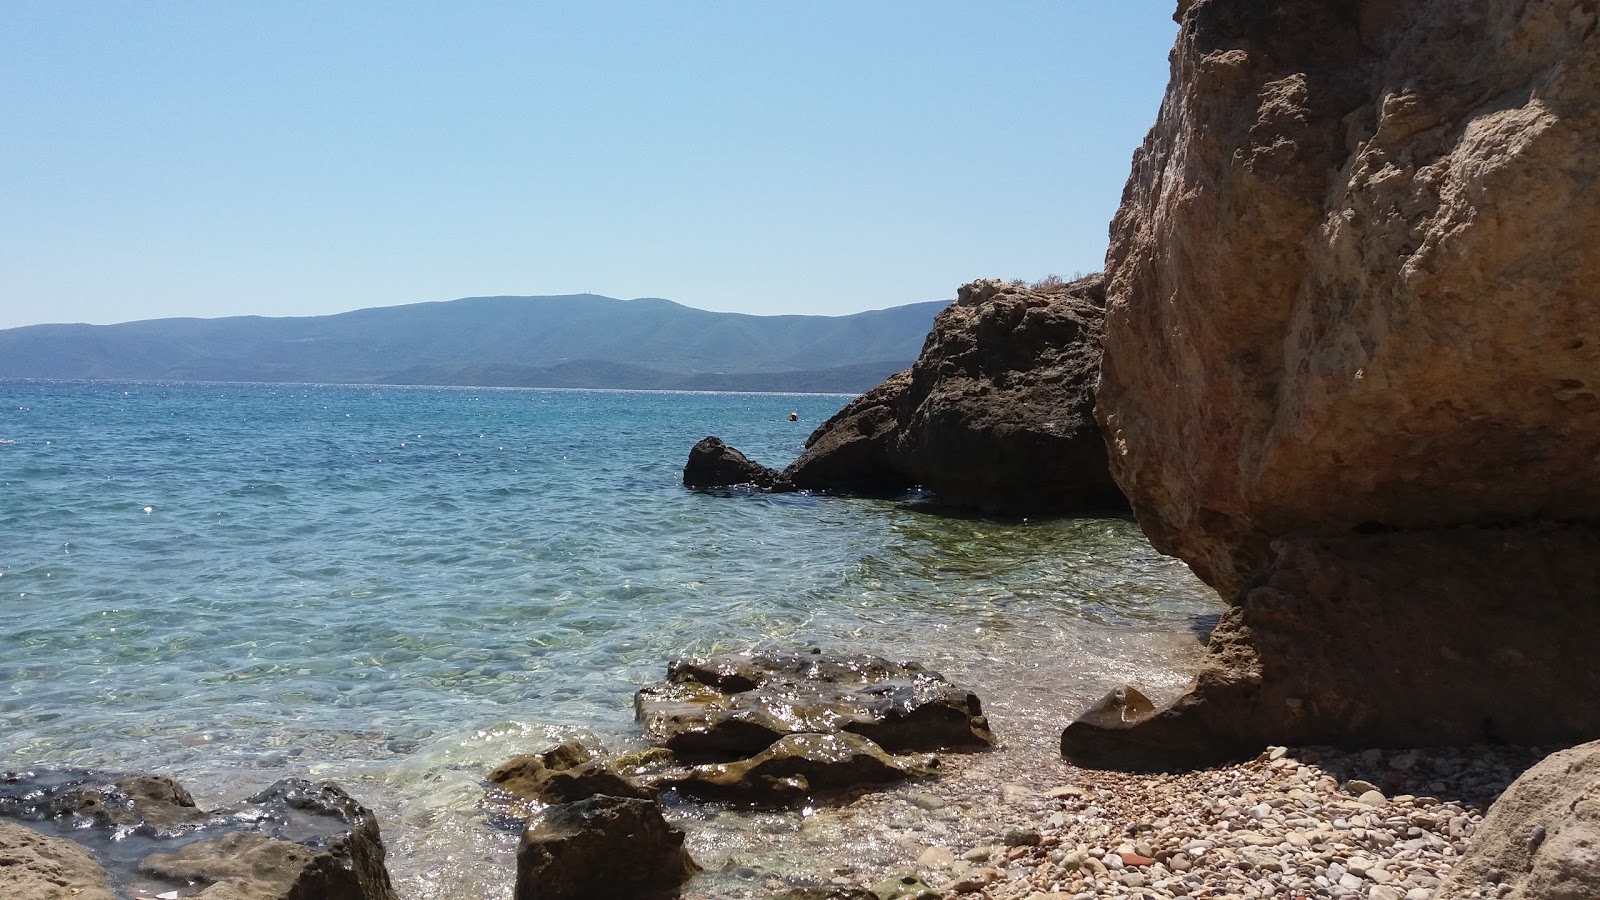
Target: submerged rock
[(713, 463), (799, 765), (602, 847), (295, 839), (35, 866), (564, 773), (1351, 293), (735, 706), (1539, 839)]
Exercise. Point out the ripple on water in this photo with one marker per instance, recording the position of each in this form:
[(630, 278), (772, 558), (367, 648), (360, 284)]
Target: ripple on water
[(291, 604)]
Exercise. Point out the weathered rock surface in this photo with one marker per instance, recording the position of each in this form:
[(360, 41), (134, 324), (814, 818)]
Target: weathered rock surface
[(564, 773), (1331, 645), (602, 847), (851, 451), (1541, 839), (296, 839), (712, 463), (1352, 279), (736, 706), (35, 866), (996, 415), (798, 765), (1352, 292), (999, 413)]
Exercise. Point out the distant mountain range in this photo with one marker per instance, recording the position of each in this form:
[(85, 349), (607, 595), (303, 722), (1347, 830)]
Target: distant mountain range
[(576, 340)]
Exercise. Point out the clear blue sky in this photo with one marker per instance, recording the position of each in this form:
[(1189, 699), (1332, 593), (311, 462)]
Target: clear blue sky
[(294, 158)]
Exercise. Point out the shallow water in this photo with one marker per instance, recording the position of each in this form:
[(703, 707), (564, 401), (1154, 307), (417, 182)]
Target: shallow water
[(399, 588)]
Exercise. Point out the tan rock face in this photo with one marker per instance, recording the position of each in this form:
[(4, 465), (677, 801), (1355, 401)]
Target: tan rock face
[(1537, 843), (1354, 277), (38, 867)]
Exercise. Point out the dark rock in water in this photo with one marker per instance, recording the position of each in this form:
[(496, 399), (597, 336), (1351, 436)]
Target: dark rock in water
[(999, 412), (850, 452), (1540, 835), (1341, 641), (602, 847), (713, 463), (735, 706), (799, 765), (564, 773), (307, 839), (35, 866)]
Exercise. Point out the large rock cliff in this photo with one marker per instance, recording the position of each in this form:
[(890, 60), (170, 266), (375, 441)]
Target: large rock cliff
[(1353, 291)]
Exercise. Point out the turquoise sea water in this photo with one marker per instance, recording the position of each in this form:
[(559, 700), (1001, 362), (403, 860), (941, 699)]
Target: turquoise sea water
[(400, 587)]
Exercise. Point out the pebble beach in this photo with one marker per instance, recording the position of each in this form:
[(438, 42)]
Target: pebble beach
[(1293, 823)]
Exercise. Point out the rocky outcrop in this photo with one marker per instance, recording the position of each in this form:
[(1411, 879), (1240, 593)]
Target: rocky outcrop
[(851, 451), (713, 464), (1352, 278), (736, 706), (38, 867), (1351, 297), (999, 414), (1539, 840), (602, 847), (295, 839), (995, 416)]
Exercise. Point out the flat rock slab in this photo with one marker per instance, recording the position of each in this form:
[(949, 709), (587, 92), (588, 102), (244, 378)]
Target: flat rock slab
[(732, 707), (797, 765), (39, 867), (295, 839)]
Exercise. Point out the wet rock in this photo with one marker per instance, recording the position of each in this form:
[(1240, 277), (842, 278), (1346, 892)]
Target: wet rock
[(1539, 838), (904, 887), (38, 867), (850, 452), (256, 867), (736, 706), (148, 827), (563, 773), (713, 463), (601, 847), (798, 765)]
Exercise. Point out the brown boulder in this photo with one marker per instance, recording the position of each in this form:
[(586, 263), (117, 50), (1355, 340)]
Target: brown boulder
[(34, 866), (602, 847), (1351, 292), (239, 866), (996, 415), (1538, 840), (849, 452), (1352, 280), (999, 413)]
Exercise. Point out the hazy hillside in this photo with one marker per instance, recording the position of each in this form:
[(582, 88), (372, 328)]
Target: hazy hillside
[(579, 340)]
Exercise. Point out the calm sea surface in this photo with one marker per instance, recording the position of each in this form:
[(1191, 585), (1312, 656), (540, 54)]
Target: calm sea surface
[(399, 588)]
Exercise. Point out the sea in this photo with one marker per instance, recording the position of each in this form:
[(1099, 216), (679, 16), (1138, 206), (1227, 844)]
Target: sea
[(398, 588)]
